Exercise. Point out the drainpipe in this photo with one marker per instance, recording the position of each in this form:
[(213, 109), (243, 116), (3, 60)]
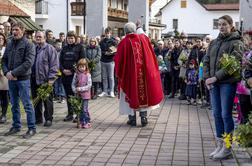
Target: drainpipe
[(67, 16)]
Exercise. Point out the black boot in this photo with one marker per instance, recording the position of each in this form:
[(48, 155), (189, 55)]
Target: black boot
[(132, 120), (3, 118), (144, 120)]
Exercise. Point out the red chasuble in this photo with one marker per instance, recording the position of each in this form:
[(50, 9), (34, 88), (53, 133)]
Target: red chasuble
[(137, 71)]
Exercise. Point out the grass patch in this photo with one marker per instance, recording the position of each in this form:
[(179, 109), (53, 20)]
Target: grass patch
[(9, 113)]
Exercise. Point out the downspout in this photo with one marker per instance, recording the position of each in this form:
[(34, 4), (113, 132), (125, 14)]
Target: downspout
[(67, 23)]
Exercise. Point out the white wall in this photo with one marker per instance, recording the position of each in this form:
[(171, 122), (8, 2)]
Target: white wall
[(156, 6), (246, 14), (56, 20), (194, 19)]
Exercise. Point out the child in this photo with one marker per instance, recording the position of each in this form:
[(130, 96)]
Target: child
[(162, 68), (81, 85), (191, 82), (58, 86)]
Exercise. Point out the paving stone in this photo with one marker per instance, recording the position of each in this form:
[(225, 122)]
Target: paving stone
[(112, 142)]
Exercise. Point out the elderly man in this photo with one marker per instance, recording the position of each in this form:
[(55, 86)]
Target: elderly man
[(44, 70), (139, 80), (16, 64)]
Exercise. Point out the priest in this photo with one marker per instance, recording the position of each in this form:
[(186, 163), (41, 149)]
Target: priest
[(139, 82)]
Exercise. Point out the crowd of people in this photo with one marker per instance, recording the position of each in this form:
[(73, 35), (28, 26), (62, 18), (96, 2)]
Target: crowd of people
[(106, 66)]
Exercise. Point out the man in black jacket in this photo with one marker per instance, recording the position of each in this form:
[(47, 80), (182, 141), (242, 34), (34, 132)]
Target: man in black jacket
[(17, 62), (107, 63), (69, 56)]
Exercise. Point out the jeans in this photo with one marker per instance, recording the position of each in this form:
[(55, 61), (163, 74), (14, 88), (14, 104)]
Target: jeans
[(21, 89), (222, 99), (58, 88), (108, 76), (85, 116)]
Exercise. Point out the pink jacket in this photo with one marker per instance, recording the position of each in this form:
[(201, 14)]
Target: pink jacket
[(84, 82)]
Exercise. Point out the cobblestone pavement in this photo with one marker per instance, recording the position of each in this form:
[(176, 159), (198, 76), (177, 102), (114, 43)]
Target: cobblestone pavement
[(177, 134)]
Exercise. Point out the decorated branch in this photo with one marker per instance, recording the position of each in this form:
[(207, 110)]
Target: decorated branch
[(76, 103), (91, 65), (183, 57), (230, 65), (43, 93)]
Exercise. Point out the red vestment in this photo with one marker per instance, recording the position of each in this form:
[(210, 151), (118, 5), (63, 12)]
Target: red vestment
[(137, 71)]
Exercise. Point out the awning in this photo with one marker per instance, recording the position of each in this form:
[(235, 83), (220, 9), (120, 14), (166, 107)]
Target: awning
[(29, 24)]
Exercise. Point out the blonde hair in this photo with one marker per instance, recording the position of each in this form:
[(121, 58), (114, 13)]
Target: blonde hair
[(83, 62), (93, 39)]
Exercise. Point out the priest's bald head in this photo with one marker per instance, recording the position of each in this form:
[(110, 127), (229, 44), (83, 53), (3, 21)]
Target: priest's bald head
[(130, 27)]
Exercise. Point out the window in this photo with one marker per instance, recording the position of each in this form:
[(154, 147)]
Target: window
[(175, 23), (77, 8), (78, 0), (183, 4), (215, 23), (78, 30)]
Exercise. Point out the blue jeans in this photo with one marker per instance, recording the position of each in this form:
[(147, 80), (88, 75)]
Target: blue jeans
[(85, 116), (59, 88), (21, 89), (108, 76), (222, 99)]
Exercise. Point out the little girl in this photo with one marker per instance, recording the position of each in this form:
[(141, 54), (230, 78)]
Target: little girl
[(81, 85), (191, 82)]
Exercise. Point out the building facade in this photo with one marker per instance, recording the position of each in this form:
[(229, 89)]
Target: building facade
[(194, 18), (246, 14), (64, 15)]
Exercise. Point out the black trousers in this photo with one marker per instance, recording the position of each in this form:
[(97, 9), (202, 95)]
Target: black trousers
[(67, 83), (4, 101), (246, 107), (168, 83), (182, 86), (175, 81), (48, 104)]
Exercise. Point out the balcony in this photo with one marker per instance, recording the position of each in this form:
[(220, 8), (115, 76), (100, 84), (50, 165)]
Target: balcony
[(77, 9), (41, 9), (117, 15)]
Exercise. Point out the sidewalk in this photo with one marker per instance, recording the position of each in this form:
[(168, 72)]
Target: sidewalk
[(177, 134)]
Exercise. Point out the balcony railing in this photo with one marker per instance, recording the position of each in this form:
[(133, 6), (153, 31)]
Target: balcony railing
[(41, 7), (117, 13), (157, 21), (77, 8)]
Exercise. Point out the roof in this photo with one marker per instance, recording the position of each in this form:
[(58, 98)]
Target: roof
[(9, 9), (212, 7), (227, 6), (27, 22)]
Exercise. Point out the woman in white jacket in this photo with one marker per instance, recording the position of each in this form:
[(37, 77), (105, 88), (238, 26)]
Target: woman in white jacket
[(4, 99)]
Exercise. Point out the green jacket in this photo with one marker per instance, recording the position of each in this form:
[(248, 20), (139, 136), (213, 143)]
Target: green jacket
[(232, 45)]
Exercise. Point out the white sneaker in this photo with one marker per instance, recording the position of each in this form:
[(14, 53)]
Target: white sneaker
[(112, 94), (103, 94)]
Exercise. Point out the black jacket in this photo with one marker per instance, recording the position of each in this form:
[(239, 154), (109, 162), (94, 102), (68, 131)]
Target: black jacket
[(105, 44), (19, 58), (69, 56)]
